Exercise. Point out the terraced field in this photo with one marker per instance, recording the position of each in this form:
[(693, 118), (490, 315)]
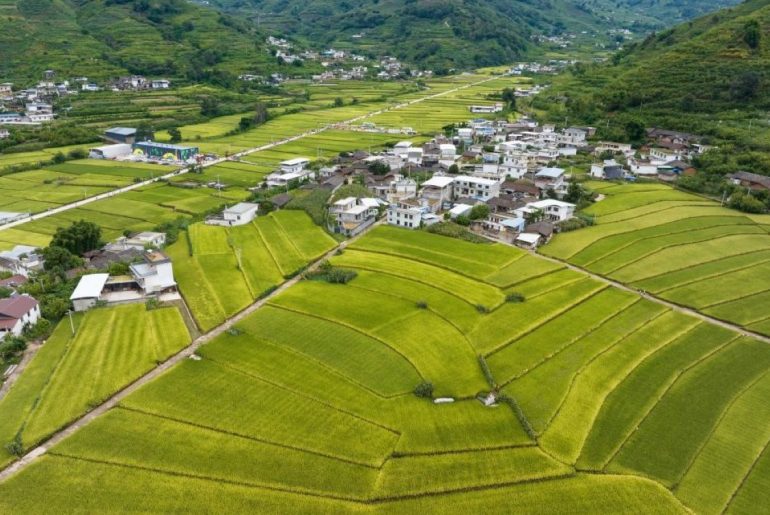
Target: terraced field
[(70, 374), (308, 405), (221, 270), (679, 247)]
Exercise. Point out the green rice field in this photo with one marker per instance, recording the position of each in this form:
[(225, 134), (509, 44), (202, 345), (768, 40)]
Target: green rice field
[(70, 374), (619, 404), (679, 247)]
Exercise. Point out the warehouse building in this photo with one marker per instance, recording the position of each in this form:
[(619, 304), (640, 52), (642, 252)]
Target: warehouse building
[(163, 151), (120, 135)]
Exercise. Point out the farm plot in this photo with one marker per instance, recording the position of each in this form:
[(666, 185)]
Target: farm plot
[(69, 374), (704, 256), (221, 270)]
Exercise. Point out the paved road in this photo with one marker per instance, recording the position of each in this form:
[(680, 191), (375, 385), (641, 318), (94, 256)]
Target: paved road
[(648, 296), (268, 146)]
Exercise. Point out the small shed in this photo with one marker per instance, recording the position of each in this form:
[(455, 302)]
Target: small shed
[(528, 240), (88, 290)]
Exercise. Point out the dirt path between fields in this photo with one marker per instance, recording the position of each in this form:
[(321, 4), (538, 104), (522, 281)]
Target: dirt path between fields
[(646, 295), (177, 358), (29, 353)]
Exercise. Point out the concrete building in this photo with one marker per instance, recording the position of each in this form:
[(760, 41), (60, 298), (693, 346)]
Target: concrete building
[(155, 275), (110, 151), (476, 187), (16, 313), (88, 290), (121, 135), (238, 214)]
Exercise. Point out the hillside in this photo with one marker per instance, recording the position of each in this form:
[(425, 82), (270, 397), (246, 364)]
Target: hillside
[(105, 38), (716, 64)]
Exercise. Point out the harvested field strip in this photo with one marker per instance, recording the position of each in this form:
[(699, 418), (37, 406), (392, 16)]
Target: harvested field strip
[(731, 452), (683, 420), (635, 397), (529, 351), (566, 434)]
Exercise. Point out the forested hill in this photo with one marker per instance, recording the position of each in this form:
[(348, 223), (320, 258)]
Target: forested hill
[(718, 63), (106, 38)]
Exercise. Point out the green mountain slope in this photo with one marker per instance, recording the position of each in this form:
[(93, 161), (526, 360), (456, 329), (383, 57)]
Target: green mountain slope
[(710, 74), (101, 39)]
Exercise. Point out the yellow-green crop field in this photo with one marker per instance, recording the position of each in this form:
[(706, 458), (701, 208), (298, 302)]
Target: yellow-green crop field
[(679, 247), (71, 374), (618, 404), (222, 270)]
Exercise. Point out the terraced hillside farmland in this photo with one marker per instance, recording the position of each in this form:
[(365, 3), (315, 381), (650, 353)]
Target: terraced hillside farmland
[(221, 270), (70, 374), (308, 404), (679, 247)]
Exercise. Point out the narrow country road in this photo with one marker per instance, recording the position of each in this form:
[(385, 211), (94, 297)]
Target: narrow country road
[(156, 372), (648, 296), (118, 191)]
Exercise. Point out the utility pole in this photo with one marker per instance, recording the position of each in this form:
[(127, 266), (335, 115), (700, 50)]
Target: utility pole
[(72, 325)]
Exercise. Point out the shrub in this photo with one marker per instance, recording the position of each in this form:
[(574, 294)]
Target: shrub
[(421, 304), (487, 372), (511, 402), (514, 297), (424, 390), (331, 274), (481, 308), (152, 304), (233, 331), (15, 447)]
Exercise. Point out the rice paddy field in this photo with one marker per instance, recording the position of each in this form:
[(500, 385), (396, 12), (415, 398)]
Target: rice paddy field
[(617, 403), (679, 247), (222, 270), (70, 373)]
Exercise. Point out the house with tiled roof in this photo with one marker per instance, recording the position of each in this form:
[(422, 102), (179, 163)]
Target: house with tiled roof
[(16, 313)]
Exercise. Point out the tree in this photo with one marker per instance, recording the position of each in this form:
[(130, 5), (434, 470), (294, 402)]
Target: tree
[(745, 86), (534, 216), (574, 193), (176, 135), (453, 169), (78, 238), (752, 34), (59, 259), (479, 212), (338, 102), (144, 132), (379, 167), (509, 98), (635, 131), (209, 106), (261, 114)]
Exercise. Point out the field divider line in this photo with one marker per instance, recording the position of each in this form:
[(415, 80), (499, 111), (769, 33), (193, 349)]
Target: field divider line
[(588, 363), (736, 299), (185, 353), (187, 169), (674, 379), (304, 395), (716, 274), (692, 203), (528, 279), (321, 364), (242, 436), (554, 288), (555, 315), (269, 250), (655, 236), (674, 245), (352, 328), (746, 477), (653, 298), (740, 393), (598, 325)]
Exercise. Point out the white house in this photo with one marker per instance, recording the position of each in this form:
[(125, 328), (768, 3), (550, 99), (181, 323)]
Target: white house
[(615, 148), (550, 178), (140, 241), (553, 210), (401, 188), (16, 313), (476, 187), (459, 210), (160, 84), (22, 260), (494, 108), (401, 149), (352, 215), (88, 290), (4, 133), (529, 240), (281, 179), (438, 190), (155, 275), (447, 151), (294, 165), (411, 214)]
